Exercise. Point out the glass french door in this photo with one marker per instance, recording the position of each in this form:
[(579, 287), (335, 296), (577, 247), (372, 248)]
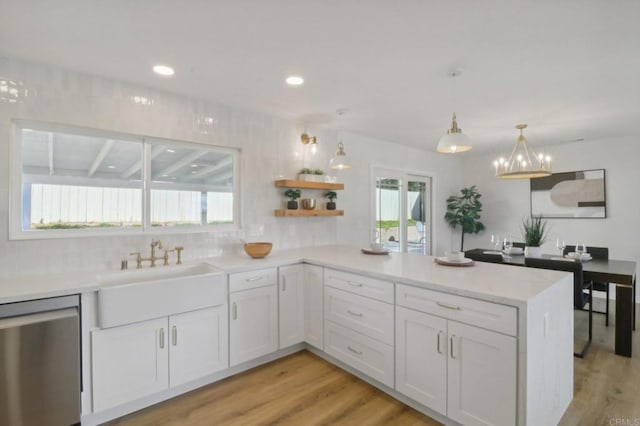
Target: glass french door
[(402, 211)]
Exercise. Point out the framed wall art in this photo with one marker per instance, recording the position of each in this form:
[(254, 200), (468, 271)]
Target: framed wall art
[(570, 195)]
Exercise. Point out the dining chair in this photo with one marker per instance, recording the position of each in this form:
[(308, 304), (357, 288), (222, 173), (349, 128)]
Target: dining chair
[(597, 253), (483, 257), (582, 292)]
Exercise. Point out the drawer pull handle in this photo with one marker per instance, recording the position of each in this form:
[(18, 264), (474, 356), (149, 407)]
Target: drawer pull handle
[(438, 338), (235, 311), (253, 279), (162, 338), (453, 336), (354, 351), (354, 284), (355, 314), (174, 335), (444, 305)]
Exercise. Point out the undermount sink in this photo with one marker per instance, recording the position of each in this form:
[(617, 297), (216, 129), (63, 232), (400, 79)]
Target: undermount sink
[(132, 296)]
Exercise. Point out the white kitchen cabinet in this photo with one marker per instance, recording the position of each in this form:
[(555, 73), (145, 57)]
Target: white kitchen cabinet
[(291, 304), (421, 358), (198, 344), (462, 371), (135, 360), (313, 305), (129, 362), (482, 376), (253, 327)]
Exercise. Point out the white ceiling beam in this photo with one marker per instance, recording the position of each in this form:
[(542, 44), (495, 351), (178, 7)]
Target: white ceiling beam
[(157, 150), (222, 177), (211, 169), (50, 143), (187, 159), (104, 151)]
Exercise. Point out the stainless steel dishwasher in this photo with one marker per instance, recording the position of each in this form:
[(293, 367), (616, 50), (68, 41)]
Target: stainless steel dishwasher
[(40, 362)]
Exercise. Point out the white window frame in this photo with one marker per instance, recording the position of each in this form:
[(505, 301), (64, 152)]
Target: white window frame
[(405, 176), (16, 180)]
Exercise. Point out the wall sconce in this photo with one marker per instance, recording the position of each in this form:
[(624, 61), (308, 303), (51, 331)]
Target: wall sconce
[(306, 139)]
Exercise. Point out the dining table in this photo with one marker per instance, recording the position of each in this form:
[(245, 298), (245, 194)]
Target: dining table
[(621, 273)]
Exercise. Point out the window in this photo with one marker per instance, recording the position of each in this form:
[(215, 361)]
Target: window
[(70, 182), (402, 211)]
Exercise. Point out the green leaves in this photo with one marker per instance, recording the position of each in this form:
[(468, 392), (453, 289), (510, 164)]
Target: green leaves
[(293, 194), (331, 195), (464, 210), (534, 231)]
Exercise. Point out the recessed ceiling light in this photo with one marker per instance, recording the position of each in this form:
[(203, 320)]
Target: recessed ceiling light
[(194, 165), (294, 80), (111, 167), (163, 70), (171, 151)]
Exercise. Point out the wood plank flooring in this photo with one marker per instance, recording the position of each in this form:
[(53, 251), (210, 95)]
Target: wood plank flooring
[(303, 389)]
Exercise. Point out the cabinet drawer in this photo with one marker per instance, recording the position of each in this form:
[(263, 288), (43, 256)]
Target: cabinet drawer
[(252, 279), (367, 316), (373, 358), (492, 316), (370, 287)]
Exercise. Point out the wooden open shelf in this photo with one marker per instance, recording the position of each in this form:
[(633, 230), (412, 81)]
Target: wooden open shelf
[(307, 213), (286, 183)]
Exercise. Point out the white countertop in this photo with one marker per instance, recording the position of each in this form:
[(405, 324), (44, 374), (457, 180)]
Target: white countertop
[(511, 285)]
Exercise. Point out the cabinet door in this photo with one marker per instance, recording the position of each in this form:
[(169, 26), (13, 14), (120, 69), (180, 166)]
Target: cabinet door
[(313, 305), (482, 376), (254, 323), (198, 343), (291, 305), (129, 362), (421, 358)]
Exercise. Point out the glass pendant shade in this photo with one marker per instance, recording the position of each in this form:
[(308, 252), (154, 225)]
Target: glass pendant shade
[(523, 163), (454, 141), (340, 161)]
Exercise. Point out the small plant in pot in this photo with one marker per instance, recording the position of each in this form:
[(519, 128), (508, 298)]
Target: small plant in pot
[(331, 195), (292, 195), (534, 232), (311, 175)]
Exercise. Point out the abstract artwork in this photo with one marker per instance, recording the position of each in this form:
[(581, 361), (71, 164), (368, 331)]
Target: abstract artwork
[(569, 195)]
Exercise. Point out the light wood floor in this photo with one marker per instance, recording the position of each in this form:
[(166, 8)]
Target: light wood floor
[(303, 389)]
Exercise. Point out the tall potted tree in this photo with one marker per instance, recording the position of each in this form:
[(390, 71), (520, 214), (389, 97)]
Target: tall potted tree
[(464, 210)]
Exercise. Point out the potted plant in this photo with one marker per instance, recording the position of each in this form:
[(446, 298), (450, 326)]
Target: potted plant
[(464, 210), (534, 232), (331, 195), (311, 175), (293, 195)]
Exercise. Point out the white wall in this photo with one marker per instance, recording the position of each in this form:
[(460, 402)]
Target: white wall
[(506, 202), (356, 198), (270, 149)]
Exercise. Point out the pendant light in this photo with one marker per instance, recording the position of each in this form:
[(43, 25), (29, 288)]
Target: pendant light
[(523, 163), (340, 161), (454, 141)]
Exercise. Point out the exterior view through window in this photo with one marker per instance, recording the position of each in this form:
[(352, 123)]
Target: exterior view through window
[(69, 179), (402, 211)]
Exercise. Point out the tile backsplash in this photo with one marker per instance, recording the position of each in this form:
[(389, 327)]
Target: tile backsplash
[(269, 145)]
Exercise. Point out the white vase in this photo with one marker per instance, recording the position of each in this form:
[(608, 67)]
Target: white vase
[(532, 251)]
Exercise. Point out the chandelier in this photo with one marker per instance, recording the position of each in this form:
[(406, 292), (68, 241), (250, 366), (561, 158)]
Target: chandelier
[(523, 163)]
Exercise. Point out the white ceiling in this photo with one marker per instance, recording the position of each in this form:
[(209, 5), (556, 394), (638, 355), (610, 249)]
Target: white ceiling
[(571, 69)]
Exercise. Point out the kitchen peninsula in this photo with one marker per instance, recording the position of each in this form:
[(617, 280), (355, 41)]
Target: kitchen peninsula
[(487, 343)]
